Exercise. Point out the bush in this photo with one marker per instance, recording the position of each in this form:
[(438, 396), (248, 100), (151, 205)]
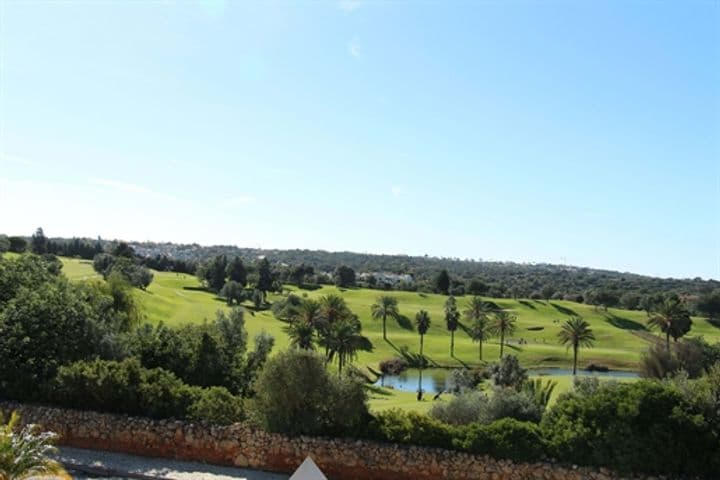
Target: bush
[(462, 379), (660, 363), (638, 427), (506, 438), (461, 409), (393, 366), (508, 372), (509, 403), (296, 395), (400, 426), (218, 406)]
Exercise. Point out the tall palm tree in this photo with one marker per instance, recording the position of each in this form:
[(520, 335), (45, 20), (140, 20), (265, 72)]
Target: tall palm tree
[(24, 452), (477, 312), (671, 318), (422, 320), (452, 317), (385, 306), (576, 333), (302, 334), (503, 324), (344, 341), (309, 312)]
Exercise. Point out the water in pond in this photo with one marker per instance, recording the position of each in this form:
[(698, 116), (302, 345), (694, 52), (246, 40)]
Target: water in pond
[(436, 379)]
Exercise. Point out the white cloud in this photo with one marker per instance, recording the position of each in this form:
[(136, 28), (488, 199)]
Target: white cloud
[(349, 5), (238, 201), (398, 190), (355, 48)]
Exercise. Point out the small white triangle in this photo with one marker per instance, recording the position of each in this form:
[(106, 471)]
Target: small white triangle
[(308, 471)]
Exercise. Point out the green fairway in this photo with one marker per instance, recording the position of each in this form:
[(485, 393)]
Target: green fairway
[(621, 335)]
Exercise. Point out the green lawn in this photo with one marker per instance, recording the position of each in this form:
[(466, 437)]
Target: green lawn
[(621, 336)]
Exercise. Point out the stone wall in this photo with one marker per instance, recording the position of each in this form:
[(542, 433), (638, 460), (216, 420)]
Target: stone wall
[(244, 446)]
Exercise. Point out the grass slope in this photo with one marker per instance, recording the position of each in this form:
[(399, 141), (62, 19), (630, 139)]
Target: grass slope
[(621, 335)]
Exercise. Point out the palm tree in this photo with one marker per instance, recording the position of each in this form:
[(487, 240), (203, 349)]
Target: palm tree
[(333, 309), (308, 312), (422, 320), (24, 453), (477, 312), (385, 306), (452, 316), (344, 341), (503, 324), (576, 333), (672, 318), (301, 334)]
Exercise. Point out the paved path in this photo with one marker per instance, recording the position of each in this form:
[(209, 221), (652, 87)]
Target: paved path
[(123, 466)]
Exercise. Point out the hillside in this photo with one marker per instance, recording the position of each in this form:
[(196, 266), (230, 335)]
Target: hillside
[(175, 299)]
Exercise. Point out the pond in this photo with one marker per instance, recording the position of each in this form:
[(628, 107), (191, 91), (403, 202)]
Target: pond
[(436, 379)]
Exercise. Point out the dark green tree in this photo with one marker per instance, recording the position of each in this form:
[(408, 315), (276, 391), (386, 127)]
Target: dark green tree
[(671, 318), (265, 277), (236, 272), (442, 282), (38, 242), (344, 276), (503, 323), (477, 313)]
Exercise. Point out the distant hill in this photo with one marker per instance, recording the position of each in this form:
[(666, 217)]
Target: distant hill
[(494, 279)]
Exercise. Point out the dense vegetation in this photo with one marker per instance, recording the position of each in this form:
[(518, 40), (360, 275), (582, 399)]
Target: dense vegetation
[(425, 274)]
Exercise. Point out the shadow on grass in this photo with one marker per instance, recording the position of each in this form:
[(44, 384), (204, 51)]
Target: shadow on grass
[(623, 323), (715, 322), (564, 310), (196, 289), (465, 365), (404, 322), (527, 304)]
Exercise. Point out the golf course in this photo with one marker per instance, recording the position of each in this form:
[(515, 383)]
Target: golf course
[(621, 335)]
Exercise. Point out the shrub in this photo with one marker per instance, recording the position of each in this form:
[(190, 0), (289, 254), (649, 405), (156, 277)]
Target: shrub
[(508, 372), (639, 427), (461, 409), (393, 366), (462, 379), (400, 426), (509, 403), (218, 406), (506, 438), (296, 395), (660, 363)]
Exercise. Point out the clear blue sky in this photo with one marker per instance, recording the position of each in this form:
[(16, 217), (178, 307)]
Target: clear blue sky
[(571, 132)]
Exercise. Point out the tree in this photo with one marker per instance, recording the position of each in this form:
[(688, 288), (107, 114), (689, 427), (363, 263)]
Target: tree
[(122, 249), (17, 244), (344, 340), (236, 272), (477, 287), (296, 395), (299, 272), (477, 312), (38, 242), (233, 292), (265, 277), (25, 452), (576, 333), (422, 321), (344, 276), (4, 244), (442, 282), (308, 311), (547, 292), (503, 324), (671, 318), (385, 306), (709, 304), (301, 334), (452, 318)]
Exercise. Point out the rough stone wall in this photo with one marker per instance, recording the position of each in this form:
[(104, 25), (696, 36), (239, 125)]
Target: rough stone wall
[(243, 446)]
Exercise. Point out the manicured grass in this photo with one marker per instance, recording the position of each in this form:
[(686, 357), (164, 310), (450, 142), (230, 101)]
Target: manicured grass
[(392, 398), (176, 299)]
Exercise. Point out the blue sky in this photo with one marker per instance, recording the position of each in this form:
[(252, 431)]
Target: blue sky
[(585, 133)]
